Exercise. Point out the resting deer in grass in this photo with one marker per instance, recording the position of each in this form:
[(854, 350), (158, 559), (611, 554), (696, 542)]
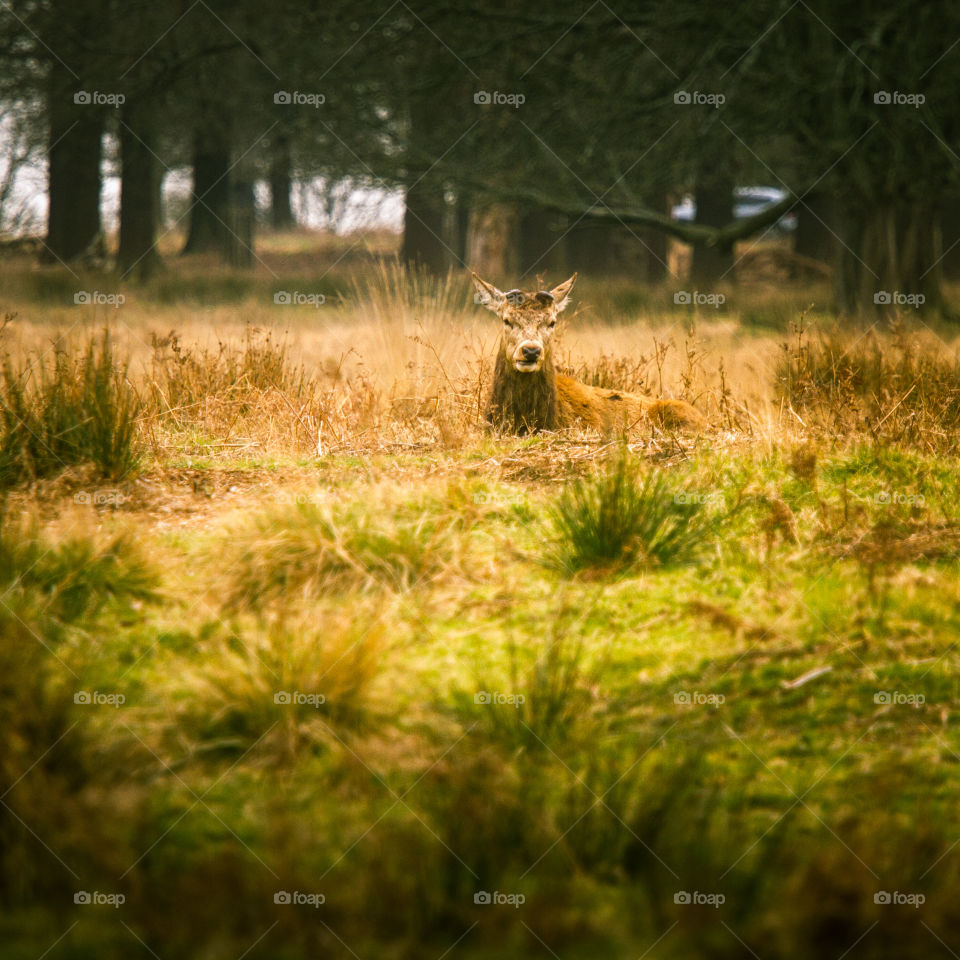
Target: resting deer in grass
[(528, 395)]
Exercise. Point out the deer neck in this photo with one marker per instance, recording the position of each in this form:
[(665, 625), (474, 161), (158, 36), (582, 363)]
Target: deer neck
[(523, 402)]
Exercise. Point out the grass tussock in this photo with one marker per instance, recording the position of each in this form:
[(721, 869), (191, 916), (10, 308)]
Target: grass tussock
[(624, 516), (301, 551), (631, 374), (61, 599), (896, 390), (73, 578), (253, 395), (392, 290), (285, 686), (74, 407), (254, 387), (185, 379), (545, 698)]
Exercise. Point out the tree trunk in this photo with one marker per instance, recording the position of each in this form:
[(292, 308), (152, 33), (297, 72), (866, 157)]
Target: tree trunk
[(210, 200), (614, 249), (492, 246), (139, 195), (461, 228), (542, 243), (423, 228), (241, 222), (950, 235), (711, 265), (653, 247), (281, 213), (815, 237), (889, 260), (73, 221), (425, 242)]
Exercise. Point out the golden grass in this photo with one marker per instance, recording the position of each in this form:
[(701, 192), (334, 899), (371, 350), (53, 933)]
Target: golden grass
[(393, 359)]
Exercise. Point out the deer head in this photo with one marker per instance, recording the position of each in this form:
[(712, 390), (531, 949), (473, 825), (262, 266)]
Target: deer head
[(528, 320)]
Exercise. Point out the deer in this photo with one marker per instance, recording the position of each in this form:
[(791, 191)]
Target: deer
[(529, 396)]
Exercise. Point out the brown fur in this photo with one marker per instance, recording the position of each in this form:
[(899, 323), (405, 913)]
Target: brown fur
[(526, 401), (522, 402)]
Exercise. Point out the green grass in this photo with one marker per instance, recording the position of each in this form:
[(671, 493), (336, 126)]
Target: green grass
[(73, 578), (63, 408), (622, 517), (430, 662), (598, 745), (304, 550)]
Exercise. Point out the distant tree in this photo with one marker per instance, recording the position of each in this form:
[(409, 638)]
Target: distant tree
[(50, 56), (851, 107), (281, 213), (137, 255)]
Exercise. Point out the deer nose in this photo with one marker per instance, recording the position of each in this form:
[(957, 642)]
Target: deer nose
[(531, 354)]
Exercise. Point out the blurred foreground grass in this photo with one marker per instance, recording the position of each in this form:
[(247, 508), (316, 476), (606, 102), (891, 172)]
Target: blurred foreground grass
[(273, 702)]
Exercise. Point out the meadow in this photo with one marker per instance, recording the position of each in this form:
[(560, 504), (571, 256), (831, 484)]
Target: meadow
[(298, 659)]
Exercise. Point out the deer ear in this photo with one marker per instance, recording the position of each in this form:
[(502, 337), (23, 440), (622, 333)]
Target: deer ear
[(488, 294), (561, 294)]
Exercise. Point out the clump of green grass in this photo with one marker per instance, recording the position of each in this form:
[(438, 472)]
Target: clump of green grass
[(61, 601), (286, 684), (621, 518), (547, 691), (302, 550), (47, 757), (78, 408), (74, 578)]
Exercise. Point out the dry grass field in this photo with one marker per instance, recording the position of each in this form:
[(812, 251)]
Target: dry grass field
[(298, 660)]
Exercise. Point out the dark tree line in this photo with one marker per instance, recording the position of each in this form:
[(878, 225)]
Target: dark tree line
[(540, 134)]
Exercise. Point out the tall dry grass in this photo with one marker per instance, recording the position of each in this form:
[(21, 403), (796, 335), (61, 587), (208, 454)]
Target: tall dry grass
[(398, 359), (902, 387)]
